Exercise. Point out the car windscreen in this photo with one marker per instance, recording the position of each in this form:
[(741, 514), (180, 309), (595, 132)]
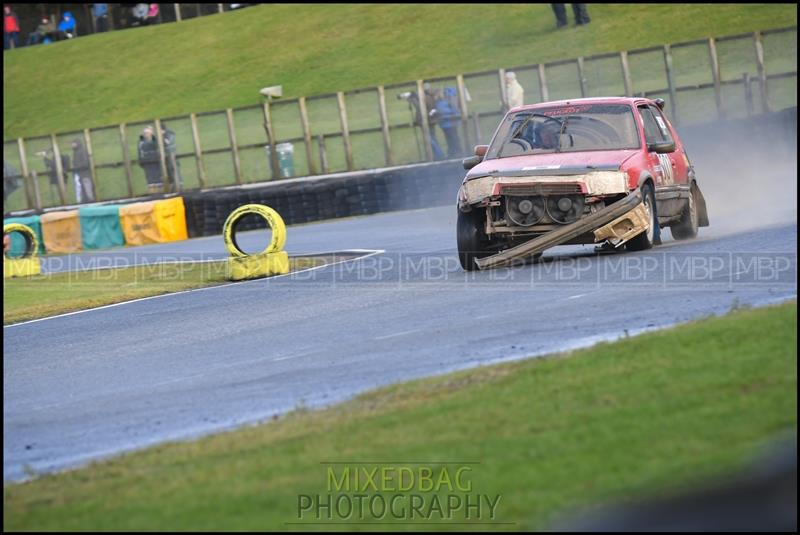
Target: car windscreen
[(574, 128)]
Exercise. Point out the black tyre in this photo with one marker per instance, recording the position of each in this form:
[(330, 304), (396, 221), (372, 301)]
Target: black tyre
[(652, 235), (686, 228), (471, 239)]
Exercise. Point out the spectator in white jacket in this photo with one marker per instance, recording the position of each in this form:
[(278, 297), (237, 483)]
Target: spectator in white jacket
[(514, 92)]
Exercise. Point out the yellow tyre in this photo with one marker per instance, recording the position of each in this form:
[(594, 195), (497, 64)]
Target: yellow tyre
[(31, 242), (272, 218)]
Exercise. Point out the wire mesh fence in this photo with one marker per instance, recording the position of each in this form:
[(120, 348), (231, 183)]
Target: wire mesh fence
[(701, 81)]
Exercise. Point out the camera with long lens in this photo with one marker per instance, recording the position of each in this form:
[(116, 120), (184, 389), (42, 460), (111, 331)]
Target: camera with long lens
[(405, 96)]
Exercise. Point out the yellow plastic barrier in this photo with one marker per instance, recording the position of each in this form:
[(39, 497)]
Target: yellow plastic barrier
[(271, 261), (28, 264), (170, 217), (61, 232), (139, 224)]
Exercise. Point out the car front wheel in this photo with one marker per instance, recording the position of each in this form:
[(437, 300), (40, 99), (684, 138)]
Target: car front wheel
[(472, 240)]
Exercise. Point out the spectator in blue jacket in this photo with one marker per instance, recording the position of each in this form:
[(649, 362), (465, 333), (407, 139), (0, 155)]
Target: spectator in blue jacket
[(448, 117), (100, 12), (67, 27)]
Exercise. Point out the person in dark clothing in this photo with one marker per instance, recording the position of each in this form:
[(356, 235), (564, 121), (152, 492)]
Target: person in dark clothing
[(447, 119), (11, 180), (84, 185), (44, 31), (100, 12), (52, 169), (579, 10), (173, 165), (150, 159)]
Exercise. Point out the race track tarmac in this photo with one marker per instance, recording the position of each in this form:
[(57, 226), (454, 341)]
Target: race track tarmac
[(87, 385)]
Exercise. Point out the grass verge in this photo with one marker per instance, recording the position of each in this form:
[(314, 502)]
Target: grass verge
[(56, 293), (658, 411)]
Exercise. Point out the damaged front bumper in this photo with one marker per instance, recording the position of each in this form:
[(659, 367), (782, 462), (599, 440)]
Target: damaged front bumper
[(617, 223)]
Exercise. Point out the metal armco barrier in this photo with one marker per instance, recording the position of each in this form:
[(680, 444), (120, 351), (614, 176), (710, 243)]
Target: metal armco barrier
[(271, 261), (28, 264)]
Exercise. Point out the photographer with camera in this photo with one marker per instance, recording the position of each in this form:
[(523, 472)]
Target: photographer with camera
[(412, 99)]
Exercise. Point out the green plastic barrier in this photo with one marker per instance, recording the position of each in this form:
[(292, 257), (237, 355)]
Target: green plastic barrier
[(100, 227), (17, 241)]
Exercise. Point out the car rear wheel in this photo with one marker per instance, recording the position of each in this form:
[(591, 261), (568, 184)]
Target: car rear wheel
[(472, 240), (686, 228), (651, 236)]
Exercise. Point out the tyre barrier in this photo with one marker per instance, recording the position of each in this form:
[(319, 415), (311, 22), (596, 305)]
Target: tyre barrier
[(306, 200), (271, 261), (29, 263)]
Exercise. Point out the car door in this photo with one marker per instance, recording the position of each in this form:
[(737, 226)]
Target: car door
[(662, 165)]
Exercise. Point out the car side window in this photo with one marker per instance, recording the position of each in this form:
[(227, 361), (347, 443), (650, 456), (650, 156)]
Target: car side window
[(652, 132), (661, 122)]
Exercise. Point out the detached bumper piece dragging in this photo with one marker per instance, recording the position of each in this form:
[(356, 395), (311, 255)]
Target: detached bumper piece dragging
[(617, 223)]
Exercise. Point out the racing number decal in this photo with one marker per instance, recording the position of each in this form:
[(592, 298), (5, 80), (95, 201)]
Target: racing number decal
[(666, 169)]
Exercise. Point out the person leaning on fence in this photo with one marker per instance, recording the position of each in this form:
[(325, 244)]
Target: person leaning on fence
[(10, 28), (150, 160), (171, 150), (11, 180), (514, 92), (579, 10), (100, 13), (82, 172)]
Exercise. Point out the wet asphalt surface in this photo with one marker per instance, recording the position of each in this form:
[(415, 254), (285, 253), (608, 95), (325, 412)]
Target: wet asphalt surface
[(87, 385)]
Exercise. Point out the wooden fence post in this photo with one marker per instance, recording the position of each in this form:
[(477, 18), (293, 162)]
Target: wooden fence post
[(162, 158), (126, 158), (312, 166), (423, 111), (323, 155), (237, 164), (387, 140), (762, 71), (87, 140), (177, 12), (543, 84), (626, 73), (62, 190), (671, 84), (348, 147), (273, 150), (582, 77), (31, 182), (748, 93), (462, 103), (198, 151), (501, 78), (715, 75)]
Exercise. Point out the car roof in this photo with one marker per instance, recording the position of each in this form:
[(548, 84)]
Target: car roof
[(590, 100)]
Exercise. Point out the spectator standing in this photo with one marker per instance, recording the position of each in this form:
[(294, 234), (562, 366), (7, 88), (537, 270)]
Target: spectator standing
[(100, 13), (10, 29), (514, 91), (171, 149), (579, 10), (447, 117), (82, 172), (11, 180), (67, 27), (150, 159), (139, 14)]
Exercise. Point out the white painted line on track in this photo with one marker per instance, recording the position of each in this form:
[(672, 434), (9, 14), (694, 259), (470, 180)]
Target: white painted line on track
[(372, 253)]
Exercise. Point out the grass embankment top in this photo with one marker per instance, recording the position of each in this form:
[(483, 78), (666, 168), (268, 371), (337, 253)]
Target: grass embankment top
[(221, 61)]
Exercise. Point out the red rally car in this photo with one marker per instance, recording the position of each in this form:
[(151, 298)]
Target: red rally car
[(610, 171)]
